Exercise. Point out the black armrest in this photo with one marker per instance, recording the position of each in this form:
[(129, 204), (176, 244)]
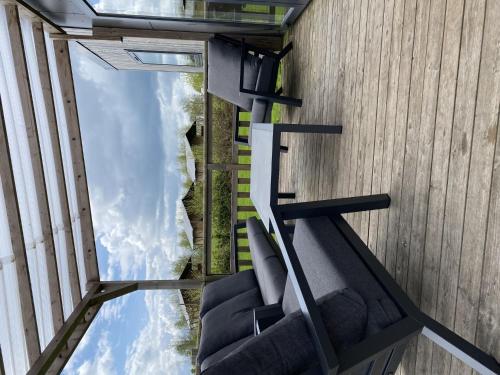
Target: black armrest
[(266, 316), (272, 97)]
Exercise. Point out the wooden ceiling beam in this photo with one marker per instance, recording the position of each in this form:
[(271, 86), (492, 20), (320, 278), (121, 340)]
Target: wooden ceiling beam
[(18, 247), (59, 349), (23, 83), (157, 284), (63, 61), (65, 354), (273, 42), (43, 68)]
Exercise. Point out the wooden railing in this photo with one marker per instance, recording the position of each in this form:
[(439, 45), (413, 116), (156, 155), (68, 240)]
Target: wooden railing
[(241, 205)]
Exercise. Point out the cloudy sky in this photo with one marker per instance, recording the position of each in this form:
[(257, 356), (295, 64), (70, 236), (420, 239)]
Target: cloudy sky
[(129, 123)]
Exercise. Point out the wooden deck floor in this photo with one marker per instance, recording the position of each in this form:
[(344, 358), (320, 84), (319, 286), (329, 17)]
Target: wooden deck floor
[(416, 85)]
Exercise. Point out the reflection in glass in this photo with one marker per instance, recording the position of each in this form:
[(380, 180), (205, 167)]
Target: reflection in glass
[(169, 58), (197, 9)]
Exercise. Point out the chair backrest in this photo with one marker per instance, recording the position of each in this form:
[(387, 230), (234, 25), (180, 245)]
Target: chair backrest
[(330, 264), (269, 270), (224, 66)]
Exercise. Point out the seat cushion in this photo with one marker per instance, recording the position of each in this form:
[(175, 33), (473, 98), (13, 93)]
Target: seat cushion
[(330, 264), (224, 61), (221, 354), (381, 314), (287, 348), (221, 290), (270, 273), (228, 322)]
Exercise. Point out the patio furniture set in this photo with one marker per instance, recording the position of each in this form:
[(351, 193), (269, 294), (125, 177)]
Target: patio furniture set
[(317, 300)]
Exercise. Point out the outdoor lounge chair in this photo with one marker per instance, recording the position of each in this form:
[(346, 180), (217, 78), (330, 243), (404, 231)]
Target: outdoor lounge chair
[(246, 79), (368, 318)]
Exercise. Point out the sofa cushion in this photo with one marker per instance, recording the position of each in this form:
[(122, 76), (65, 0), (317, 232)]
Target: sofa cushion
[(228, 322), (224, 72), (381, 314), (221, 290), (287, 348), (329, 263), (221, 354), (270, 273)]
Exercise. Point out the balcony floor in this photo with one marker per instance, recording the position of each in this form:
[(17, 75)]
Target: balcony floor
[(417, 88)]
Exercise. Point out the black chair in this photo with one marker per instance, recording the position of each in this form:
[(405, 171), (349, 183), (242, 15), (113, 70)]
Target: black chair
[(246, 76)]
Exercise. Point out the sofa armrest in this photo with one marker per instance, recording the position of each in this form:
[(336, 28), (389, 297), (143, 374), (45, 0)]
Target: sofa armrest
[(266, 316)]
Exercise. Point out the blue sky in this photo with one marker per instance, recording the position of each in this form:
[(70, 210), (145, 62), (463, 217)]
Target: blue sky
[(129, 122)]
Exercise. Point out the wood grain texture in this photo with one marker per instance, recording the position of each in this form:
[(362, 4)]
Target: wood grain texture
[(18, 246), (410, 92), (70, 109), (489, 85), (48, 97), (25, 94)]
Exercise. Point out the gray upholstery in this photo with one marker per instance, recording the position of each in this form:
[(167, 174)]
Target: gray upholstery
[(266, 82), (286, 347), (268, 268), (381, 314), (217, 356), (228, 322), (268, 72), (224, 72), (221, 290), (261, 112), (330, 264)]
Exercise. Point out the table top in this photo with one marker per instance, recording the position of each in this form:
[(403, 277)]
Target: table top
[(262, 173), (264, 170)]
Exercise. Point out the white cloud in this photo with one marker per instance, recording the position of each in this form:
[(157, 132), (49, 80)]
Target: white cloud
[(131, 170), (153, 352), (103, 362)]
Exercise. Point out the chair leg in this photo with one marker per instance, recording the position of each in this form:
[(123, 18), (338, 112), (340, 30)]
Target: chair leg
[(279, 91), (286, 195), (285, 50)]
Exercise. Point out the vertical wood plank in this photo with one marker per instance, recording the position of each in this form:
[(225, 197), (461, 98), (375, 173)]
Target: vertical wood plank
[(369, 120), (36, 161), (43, 67), (390, 126), (68, 93), (423, 169), (351, 54), (345, 16), (439, 171), (488, 329), (411, 146), (356, 106), (458, 171), (401, 117), (383, 83), (480, 177), (18, 247)]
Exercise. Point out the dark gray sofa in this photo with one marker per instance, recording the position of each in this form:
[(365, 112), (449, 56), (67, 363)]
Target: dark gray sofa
[(352, 303), (227, 305)]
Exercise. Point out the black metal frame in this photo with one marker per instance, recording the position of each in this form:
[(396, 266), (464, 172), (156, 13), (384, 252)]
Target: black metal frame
[(297, 7), (383, 351), (271, 96)]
